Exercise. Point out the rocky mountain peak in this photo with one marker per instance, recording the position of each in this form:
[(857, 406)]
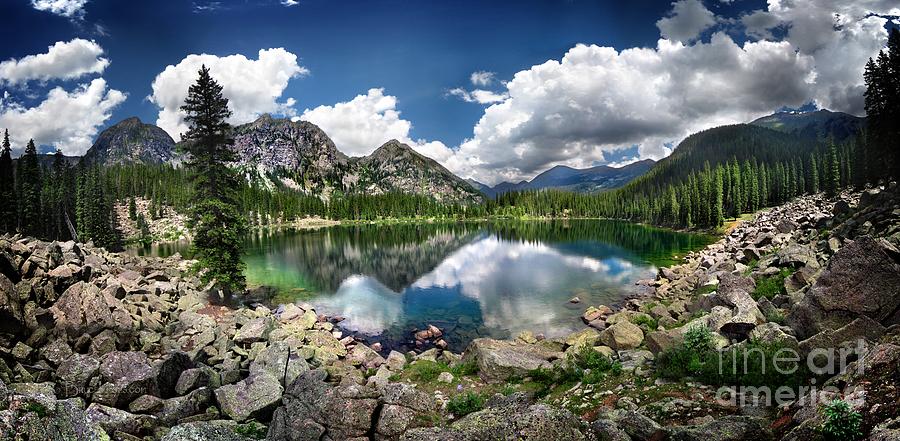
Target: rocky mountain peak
[(131, 141)]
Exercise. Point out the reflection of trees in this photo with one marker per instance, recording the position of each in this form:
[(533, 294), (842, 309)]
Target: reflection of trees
[(650, 244), (395, 255)]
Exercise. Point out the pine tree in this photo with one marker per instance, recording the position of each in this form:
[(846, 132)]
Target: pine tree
[(29, 180), (717, 212), (8, 201), (218, 224), (833, 172)]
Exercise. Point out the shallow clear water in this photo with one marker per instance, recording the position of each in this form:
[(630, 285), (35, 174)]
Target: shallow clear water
[(469, 279)]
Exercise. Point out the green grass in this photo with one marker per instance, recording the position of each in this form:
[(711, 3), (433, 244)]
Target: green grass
[(428, 371), (465, 403), (749, 364), (586, 365), (705, 289), (771, 286), (251, 429), (645, 319)]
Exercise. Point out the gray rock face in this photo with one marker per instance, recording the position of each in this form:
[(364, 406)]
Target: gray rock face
[(11, 318), (127, 375), (129, 142), (843, 292), (510, 415), (74, 374), (204, 431), (728, 428), (313, 409), (279, 361), (253, 397), (498, 360), (116, 420), (83, 309), (65, 420)]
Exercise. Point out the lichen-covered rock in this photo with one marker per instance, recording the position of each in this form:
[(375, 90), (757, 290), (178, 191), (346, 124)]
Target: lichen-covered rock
[(506, 416), (622, 335), (863, 278), (279, 361), (727, 428), (205, 431), (314, 409), (127, 375), (114, 420), (253, 397), (498, 360), (74, 373)]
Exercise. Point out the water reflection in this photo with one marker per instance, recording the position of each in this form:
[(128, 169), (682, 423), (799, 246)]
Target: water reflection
[(469, 279)]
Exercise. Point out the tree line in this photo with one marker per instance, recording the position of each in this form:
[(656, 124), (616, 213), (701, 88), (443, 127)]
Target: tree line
[(53, 199)]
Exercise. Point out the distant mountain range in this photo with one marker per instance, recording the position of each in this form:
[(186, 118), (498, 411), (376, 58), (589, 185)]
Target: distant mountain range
[(296, 155), (586, 180), (817, 125), (299, 155)]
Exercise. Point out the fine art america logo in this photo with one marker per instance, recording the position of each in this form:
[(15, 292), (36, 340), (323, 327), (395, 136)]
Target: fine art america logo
[(820, 362)]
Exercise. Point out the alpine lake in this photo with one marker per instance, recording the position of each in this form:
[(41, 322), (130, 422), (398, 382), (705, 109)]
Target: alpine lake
[(470, 279)]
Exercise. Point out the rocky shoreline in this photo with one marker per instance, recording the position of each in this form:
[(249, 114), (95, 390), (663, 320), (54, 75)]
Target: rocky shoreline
[(98, 345)]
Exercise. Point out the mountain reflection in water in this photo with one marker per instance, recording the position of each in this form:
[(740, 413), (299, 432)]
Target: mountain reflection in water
[(469, 279)]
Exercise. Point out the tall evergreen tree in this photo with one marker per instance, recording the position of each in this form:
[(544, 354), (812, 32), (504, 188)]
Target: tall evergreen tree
[(718, 210), (28, 177), (8, 203), (833, 172), (217, 222)]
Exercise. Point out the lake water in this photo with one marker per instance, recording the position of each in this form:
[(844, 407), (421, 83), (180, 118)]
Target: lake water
[(469, 279)]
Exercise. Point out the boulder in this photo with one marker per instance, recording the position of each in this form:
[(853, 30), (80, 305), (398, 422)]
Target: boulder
[(12, 320), (660, 341), (63, 420), (254, 397), (726, 428), (83, 309), (127, 375), (509, 415), (498, 360), (403, 407), (168, 371), (862, 279), (585, 337), (314, 409), (636, 425), (203, 431), (177, 409), (74, 373), (195, 378), (279, 361), (116, 420), (255, 330), (362, 355), (622, 335)]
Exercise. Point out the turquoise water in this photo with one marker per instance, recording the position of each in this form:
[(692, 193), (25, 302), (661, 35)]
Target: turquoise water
[(469, 279)]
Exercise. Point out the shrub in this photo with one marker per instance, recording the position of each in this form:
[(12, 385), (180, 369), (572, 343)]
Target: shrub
[(644, 319), (841, 422), (771, 286), (464, 369), (251, 429), (585, 365), (463, 404)]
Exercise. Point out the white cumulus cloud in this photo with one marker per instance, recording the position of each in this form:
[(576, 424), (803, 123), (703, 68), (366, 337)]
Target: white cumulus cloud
[(596, 99), (688, 19), (253, 87), (361, 125), (482, 78), (64, 60), (66, 120), (65, 8), (479, 96)]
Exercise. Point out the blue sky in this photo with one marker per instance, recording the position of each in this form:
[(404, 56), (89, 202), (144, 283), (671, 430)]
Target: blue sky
[(414, 53)]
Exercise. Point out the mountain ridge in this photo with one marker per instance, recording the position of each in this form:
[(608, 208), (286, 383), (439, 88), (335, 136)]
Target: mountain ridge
[(586, 180)]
